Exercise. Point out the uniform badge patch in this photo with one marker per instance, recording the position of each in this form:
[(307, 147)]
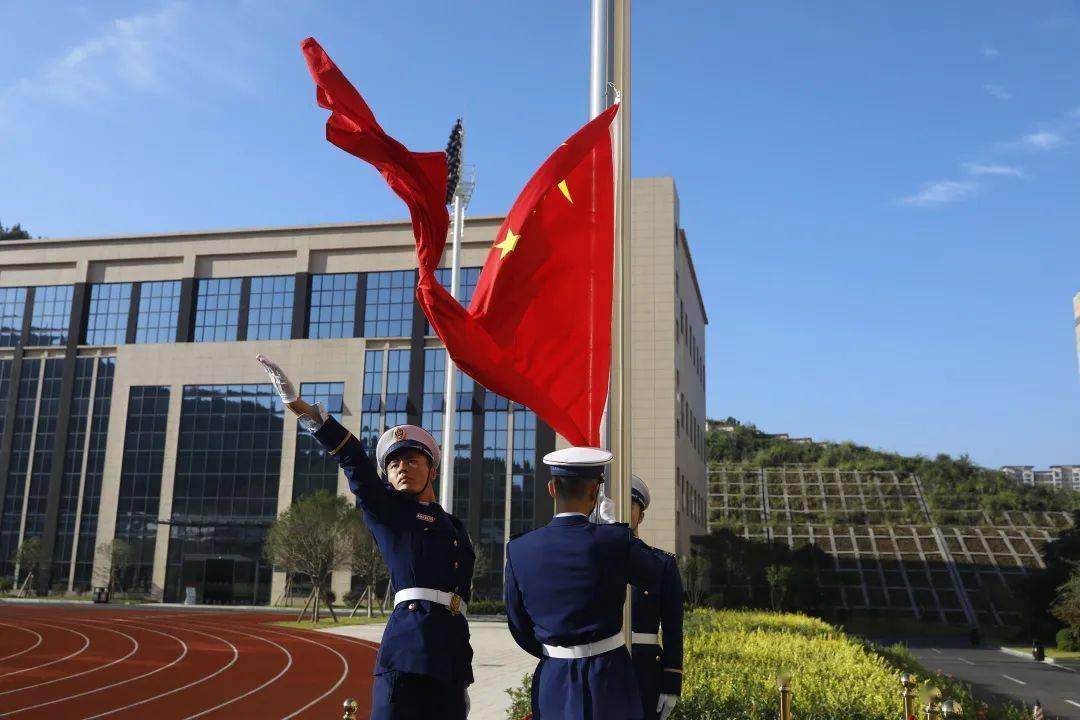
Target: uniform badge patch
[(399, 433), (426, 518)]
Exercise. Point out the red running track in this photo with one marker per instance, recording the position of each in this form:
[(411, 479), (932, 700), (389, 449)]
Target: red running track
[(71, 661)]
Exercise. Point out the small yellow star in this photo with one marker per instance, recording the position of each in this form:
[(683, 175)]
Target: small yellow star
[(508, 244), (566, 191)]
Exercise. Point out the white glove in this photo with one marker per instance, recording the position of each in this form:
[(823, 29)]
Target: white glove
[(665, 705), (282, 385), (606, 511)]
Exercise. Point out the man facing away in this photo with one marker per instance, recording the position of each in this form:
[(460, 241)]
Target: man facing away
[(565, 587), (658, 668), (424, 666)]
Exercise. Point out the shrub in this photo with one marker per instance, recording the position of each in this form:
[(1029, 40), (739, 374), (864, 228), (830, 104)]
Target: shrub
[(487, 607), (520, 700), (6, 583), (1067, 640)]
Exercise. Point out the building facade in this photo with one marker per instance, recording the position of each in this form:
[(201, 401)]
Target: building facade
[(1076, 323), (1061, 476), (133, 408)]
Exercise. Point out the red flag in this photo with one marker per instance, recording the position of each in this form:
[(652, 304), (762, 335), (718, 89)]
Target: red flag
[(538, 330), (418, 178), (539, 327)]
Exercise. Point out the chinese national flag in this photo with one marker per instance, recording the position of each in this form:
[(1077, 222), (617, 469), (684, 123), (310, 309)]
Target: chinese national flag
[(538, 330)]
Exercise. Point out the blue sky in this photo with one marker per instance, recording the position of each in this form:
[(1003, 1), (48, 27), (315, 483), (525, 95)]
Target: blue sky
[(883, 200)]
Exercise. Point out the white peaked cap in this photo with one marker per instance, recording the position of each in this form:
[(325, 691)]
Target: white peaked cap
[(640, 491), (587, 462), (406, 436)]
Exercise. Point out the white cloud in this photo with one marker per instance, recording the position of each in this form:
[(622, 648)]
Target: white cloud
[(1043, 140), (989, 51), (997, 91), (941, 192), (978, 170), (132, 52)]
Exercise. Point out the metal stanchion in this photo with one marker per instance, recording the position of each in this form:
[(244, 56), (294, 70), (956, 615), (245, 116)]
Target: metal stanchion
[(350, 706), (933, 704), (784, 686), (909, 683), (951, 709)]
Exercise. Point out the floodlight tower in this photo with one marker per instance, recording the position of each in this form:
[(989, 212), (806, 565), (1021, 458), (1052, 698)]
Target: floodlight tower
[(461, 181)]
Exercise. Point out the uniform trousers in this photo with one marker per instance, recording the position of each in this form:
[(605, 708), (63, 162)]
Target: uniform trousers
[(409, 696)]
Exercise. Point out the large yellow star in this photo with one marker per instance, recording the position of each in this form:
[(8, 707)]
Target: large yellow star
[(508, 244)]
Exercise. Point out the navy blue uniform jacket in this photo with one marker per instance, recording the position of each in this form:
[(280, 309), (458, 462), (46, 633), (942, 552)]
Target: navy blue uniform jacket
[(423, 546), (659, 670), (565, 585)]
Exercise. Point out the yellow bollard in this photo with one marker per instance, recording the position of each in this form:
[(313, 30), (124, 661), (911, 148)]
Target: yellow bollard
[(909, 683), (783, 681), (350, 707), (951, 709), (933, 704)]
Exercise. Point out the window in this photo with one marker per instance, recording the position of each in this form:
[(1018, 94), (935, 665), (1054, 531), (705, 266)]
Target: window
[(217, 311), (140, 480), (314, 468), (493, 493), (397, 388), (388, 310), (159, 307), (228, 466), (44, 439), (371, 405), (270, 308), (12, 307), (107, 319), (51, 316), (95, 472), (433, 408), (70, 479), (333, 306), (523, 481), (467, 280)]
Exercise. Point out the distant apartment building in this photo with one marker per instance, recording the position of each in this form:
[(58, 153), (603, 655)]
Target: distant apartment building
[(1066, 476)]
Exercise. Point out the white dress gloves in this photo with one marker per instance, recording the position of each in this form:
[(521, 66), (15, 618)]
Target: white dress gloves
[(287, 392), (666, 705)]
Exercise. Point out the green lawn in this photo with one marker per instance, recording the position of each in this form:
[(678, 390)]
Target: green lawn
[(1051, 652), (327, 622)]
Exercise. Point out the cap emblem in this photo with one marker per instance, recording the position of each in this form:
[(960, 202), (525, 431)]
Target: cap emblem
[(399, 433)]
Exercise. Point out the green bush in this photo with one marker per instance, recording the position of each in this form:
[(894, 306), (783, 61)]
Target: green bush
[(732, 659), (487, 607), (520, 700), (6, 583), (1067, 640)]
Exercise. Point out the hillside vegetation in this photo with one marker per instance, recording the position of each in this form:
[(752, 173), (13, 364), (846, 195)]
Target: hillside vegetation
[(948, 483)]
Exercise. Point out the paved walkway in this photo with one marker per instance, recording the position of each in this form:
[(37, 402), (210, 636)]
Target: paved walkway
[(498, 664)]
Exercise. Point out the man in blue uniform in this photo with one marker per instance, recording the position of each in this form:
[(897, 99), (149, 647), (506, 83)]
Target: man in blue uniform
[(424, 664), (565, 587), (658, 668)]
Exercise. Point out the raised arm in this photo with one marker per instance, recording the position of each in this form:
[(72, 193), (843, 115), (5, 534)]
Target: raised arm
[(364, 481), (517, 617)]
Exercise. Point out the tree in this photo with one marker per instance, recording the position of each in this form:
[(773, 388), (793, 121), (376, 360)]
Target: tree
[(695, 576), (778, 577), (27, 559), (314, 536), (15, 232), (366, 561), (1067, 606), (113, 559)]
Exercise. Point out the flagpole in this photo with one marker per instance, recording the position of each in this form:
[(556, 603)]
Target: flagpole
[(610, 63)]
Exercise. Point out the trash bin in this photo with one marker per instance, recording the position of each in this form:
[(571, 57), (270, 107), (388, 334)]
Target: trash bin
[(101, 595)]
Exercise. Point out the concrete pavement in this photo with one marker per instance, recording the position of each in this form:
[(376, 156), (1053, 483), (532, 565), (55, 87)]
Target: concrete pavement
[(988, 669), (498, 664)]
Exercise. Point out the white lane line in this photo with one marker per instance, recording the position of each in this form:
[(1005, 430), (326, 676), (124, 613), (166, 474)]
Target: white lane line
[(1073, 702), (21, 652), (1010, 677), (344, 673), (288, 664), (134, 648), (178, 658), (235, 656), (963, 660), (80, 651), (936, 650)]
